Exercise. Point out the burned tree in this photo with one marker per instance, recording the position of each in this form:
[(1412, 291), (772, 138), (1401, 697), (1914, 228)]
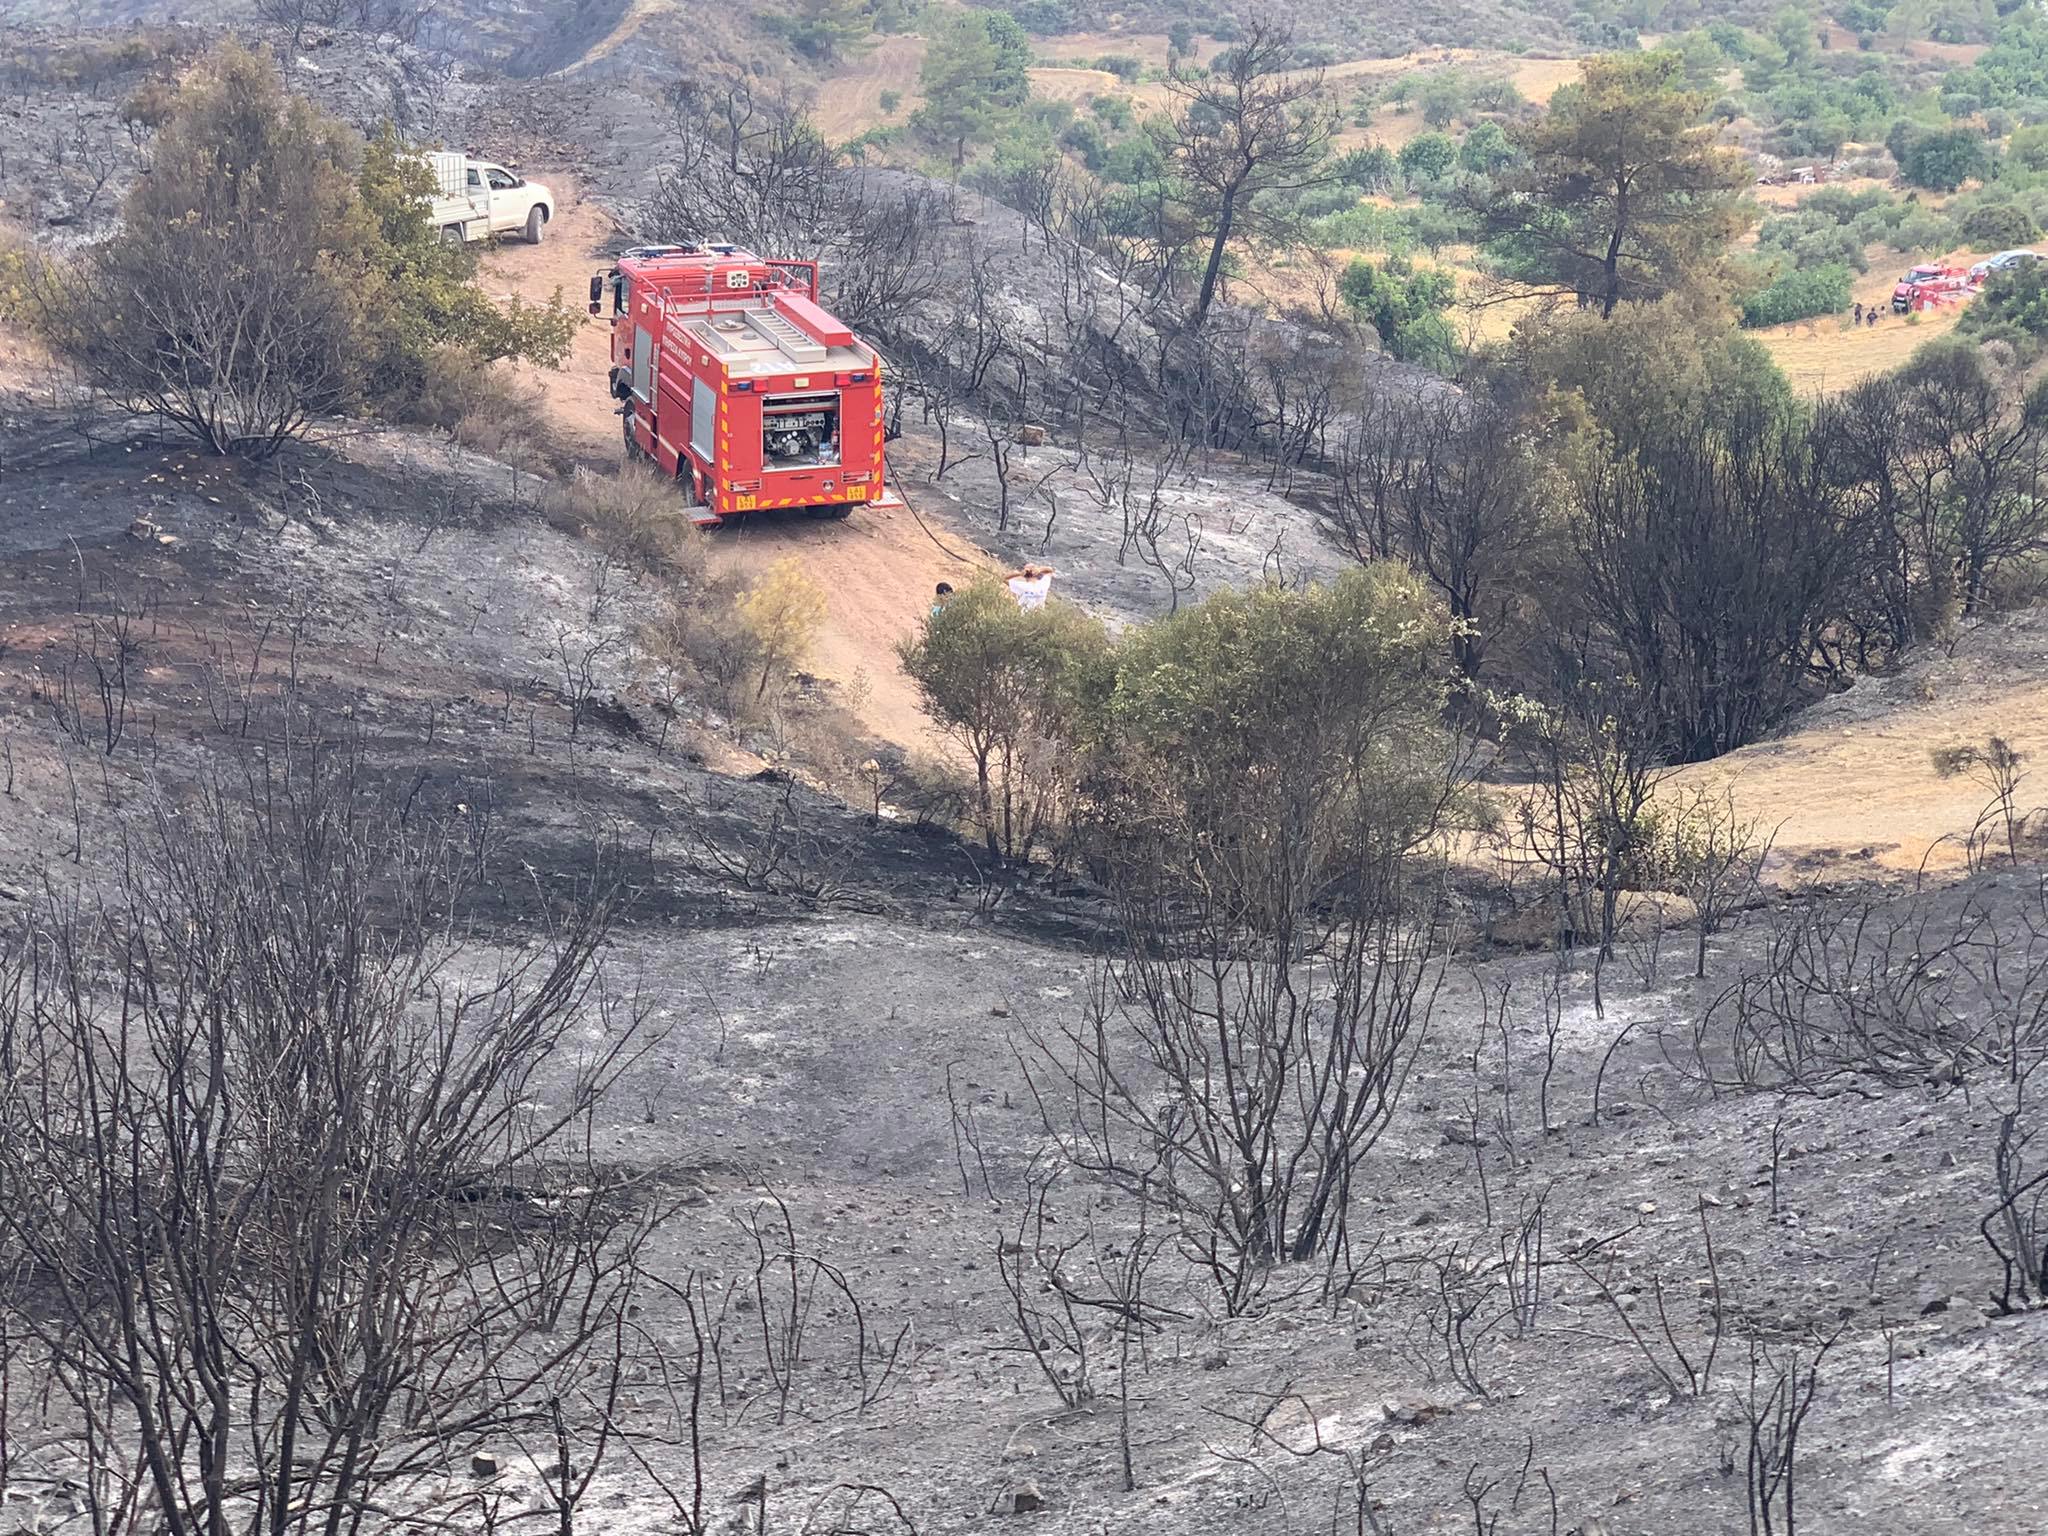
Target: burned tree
[(1452, 483), (1247, 129), (298, 1201), (754, 169)]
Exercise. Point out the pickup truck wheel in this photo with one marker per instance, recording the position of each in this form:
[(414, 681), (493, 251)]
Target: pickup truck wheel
[(536, 221), (451, 234)]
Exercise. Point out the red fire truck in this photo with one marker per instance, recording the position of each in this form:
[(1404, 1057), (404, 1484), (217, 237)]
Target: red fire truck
[(732, 378)]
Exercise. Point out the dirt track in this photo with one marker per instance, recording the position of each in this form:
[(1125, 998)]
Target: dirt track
[(1852, 788), (877, 568)]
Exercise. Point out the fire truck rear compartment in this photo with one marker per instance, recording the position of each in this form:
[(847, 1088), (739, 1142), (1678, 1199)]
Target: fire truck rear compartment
[(799, 431)]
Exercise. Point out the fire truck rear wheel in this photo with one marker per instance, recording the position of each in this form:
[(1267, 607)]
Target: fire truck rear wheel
[(536, 221), (845, 509)]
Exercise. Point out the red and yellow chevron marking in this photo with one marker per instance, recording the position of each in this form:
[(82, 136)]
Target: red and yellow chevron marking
[(751, 501)]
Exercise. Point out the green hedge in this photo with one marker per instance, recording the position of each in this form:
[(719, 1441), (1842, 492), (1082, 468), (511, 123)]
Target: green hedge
[(1799, 295)]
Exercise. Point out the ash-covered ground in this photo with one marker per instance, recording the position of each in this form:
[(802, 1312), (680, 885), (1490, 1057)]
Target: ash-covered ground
[(849, 1030)]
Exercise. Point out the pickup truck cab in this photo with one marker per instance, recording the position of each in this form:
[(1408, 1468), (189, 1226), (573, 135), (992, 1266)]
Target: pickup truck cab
[(475, 200)]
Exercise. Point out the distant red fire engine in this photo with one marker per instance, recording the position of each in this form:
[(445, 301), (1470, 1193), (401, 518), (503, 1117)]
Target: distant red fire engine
[(733, 379)]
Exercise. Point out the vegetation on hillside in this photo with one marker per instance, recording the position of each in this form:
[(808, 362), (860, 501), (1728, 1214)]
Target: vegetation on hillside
[(271, 269)]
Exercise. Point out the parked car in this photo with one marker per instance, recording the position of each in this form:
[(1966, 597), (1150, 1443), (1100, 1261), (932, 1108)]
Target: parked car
[(2004, 261), (475, 200)]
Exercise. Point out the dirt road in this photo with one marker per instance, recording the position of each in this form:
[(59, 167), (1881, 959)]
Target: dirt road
[(1852, 788), (877, 568)]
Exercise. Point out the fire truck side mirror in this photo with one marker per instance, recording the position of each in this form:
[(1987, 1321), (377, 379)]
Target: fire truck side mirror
[(596, 292)]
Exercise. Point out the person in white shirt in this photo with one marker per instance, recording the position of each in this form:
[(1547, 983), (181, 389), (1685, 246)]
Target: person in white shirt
[(1030, 586)]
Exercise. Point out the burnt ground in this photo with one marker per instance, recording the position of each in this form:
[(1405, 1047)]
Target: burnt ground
[(814, 1019), (412, 595)]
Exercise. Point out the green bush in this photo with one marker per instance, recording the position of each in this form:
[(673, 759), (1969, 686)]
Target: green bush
[(1404, 306), (1799, 295), (1082, 139), (1367, 227), (2013, 307), (1997, 226), (1324, 199), (1428, 156), (1113, 112), (1834, 225)]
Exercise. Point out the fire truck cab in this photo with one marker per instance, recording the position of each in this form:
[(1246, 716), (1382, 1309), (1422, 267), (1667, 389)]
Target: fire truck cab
[(732, 378)]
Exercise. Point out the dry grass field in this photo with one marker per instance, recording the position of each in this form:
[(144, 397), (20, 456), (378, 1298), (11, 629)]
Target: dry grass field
[(1832, 353), (1075, 84), (850, 103), (1781, 199), (1147, 48)]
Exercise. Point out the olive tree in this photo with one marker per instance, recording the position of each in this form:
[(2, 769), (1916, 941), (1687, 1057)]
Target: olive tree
[(221, 304), (1270, 782), (1013, 687)]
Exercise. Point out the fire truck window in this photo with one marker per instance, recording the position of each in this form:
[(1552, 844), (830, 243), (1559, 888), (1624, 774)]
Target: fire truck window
[(621, 291), (643, 363), (799, 431), (703, 420)]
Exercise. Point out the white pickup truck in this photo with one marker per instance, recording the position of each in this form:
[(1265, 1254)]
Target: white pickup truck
[(474, 199)]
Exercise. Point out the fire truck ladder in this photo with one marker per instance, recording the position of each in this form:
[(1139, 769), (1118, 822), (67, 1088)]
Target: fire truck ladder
[(788, 337)]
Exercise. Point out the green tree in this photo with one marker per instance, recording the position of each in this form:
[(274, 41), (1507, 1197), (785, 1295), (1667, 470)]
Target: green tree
[(974, 79), (1404, 306), (1428, 156), (1371, 169), (1274, 772), (1486, 149), (825, 31), (1995, 226), (2013, 307), (262, 277), (230, 301), (1016, 689), (1274, 716), (420, 293), (2028, 147), (1794, 30), (1622, 193), (1942, 159), (1445, 97)]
